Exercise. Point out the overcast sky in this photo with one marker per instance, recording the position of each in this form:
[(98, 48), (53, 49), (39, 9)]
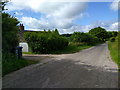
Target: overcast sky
[(67, 17)]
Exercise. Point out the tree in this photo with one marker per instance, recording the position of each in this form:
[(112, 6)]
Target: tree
[(100, 33), (9, 32), (84, 38), (66, 35), (112, 34), (56, 32), (2, 5)]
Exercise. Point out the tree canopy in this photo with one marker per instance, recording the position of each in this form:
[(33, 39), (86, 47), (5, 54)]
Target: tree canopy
[(100, 33), (84, 37), (9, 31)]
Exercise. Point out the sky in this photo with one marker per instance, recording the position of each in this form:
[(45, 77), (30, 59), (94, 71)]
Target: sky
[(67, 17)]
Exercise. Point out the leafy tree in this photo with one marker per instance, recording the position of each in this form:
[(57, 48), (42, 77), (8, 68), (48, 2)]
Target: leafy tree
[(112, 34), (56, 32), (9, 32), (84, 38), (100, 33), (2, 5), (66, 35), (112, 39)]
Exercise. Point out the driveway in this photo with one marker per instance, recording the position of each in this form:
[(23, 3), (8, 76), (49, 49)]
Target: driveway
[(89, 68)]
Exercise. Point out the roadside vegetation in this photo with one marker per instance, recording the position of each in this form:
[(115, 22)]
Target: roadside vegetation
[(9, 43), (51, 42), (114, 48), (72, 48), (48, 42), (11, 63)]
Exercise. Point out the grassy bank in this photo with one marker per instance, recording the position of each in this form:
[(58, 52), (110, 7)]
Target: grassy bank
[(15, 64), (114, 51)]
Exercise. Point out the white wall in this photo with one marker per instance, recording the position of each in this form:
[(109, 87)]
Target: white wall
[(24, 45)]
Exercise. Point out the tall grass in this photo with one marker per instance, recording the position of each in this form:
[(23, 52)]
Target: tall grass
[(10, 64), (114, 50)]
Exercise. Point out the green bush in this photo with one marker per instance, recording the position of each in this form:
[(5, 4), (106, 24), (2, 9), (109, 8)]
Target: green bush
[(46, 41), (9, 33), (10, 63), (114, 48), (84, 38), (112, 34), (112, 39)]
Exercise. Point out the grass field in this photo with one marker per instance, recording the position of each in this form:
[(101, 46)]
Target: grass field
[(114, 51)]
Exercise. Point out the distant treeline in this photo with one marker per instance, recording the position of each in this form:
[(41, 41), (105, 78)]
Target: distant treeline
[(51, 40)]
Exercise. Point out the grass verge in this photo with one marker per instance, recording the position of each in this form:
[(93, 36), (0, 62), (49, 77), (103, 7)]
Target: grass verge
[(15, 64), (28, 53), (114, 51), (71, 49)]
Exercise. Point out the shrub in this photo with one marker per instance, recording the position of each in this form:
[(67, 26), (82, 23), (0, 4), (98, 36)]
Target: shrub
[(112, 39), (84, 38), (46, 41), (114, 48), (11, 63), (9, 33)]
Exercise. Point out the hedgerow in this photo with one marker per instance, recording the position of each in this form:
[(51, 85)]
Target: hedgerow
[(46, 41)]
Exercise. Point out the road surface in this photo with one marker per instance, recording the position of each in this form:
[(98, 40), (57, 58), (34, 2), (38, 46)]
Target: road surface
[(90, 68)]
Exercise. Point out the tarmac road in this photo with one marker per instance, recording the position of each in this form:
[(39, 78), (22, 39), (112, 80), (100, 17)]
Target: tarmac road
[(90, 68)]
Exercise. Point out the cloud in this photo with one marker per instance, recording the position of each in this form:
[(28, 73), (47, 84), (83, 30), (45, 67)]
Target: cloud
[(115, 5), (56, 14), (35, 23), (109, 26), (40, 24), (50, 23), (19, 13), (43, 6), (113, 27), (60, 15)]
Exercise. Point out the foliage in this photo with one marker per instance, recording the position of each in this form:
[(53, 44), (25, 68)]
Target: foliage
[(11, 63), (112, 34), (112, 39), (66, 35), (84, 37), (100, 33), (46, 41), (115, 49), (9, 42), (9, 33), (2, 5), (71, 48)]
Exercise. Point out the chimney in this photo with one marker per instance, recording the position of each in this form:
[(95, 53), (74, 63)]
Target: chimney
[(21, 27)]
